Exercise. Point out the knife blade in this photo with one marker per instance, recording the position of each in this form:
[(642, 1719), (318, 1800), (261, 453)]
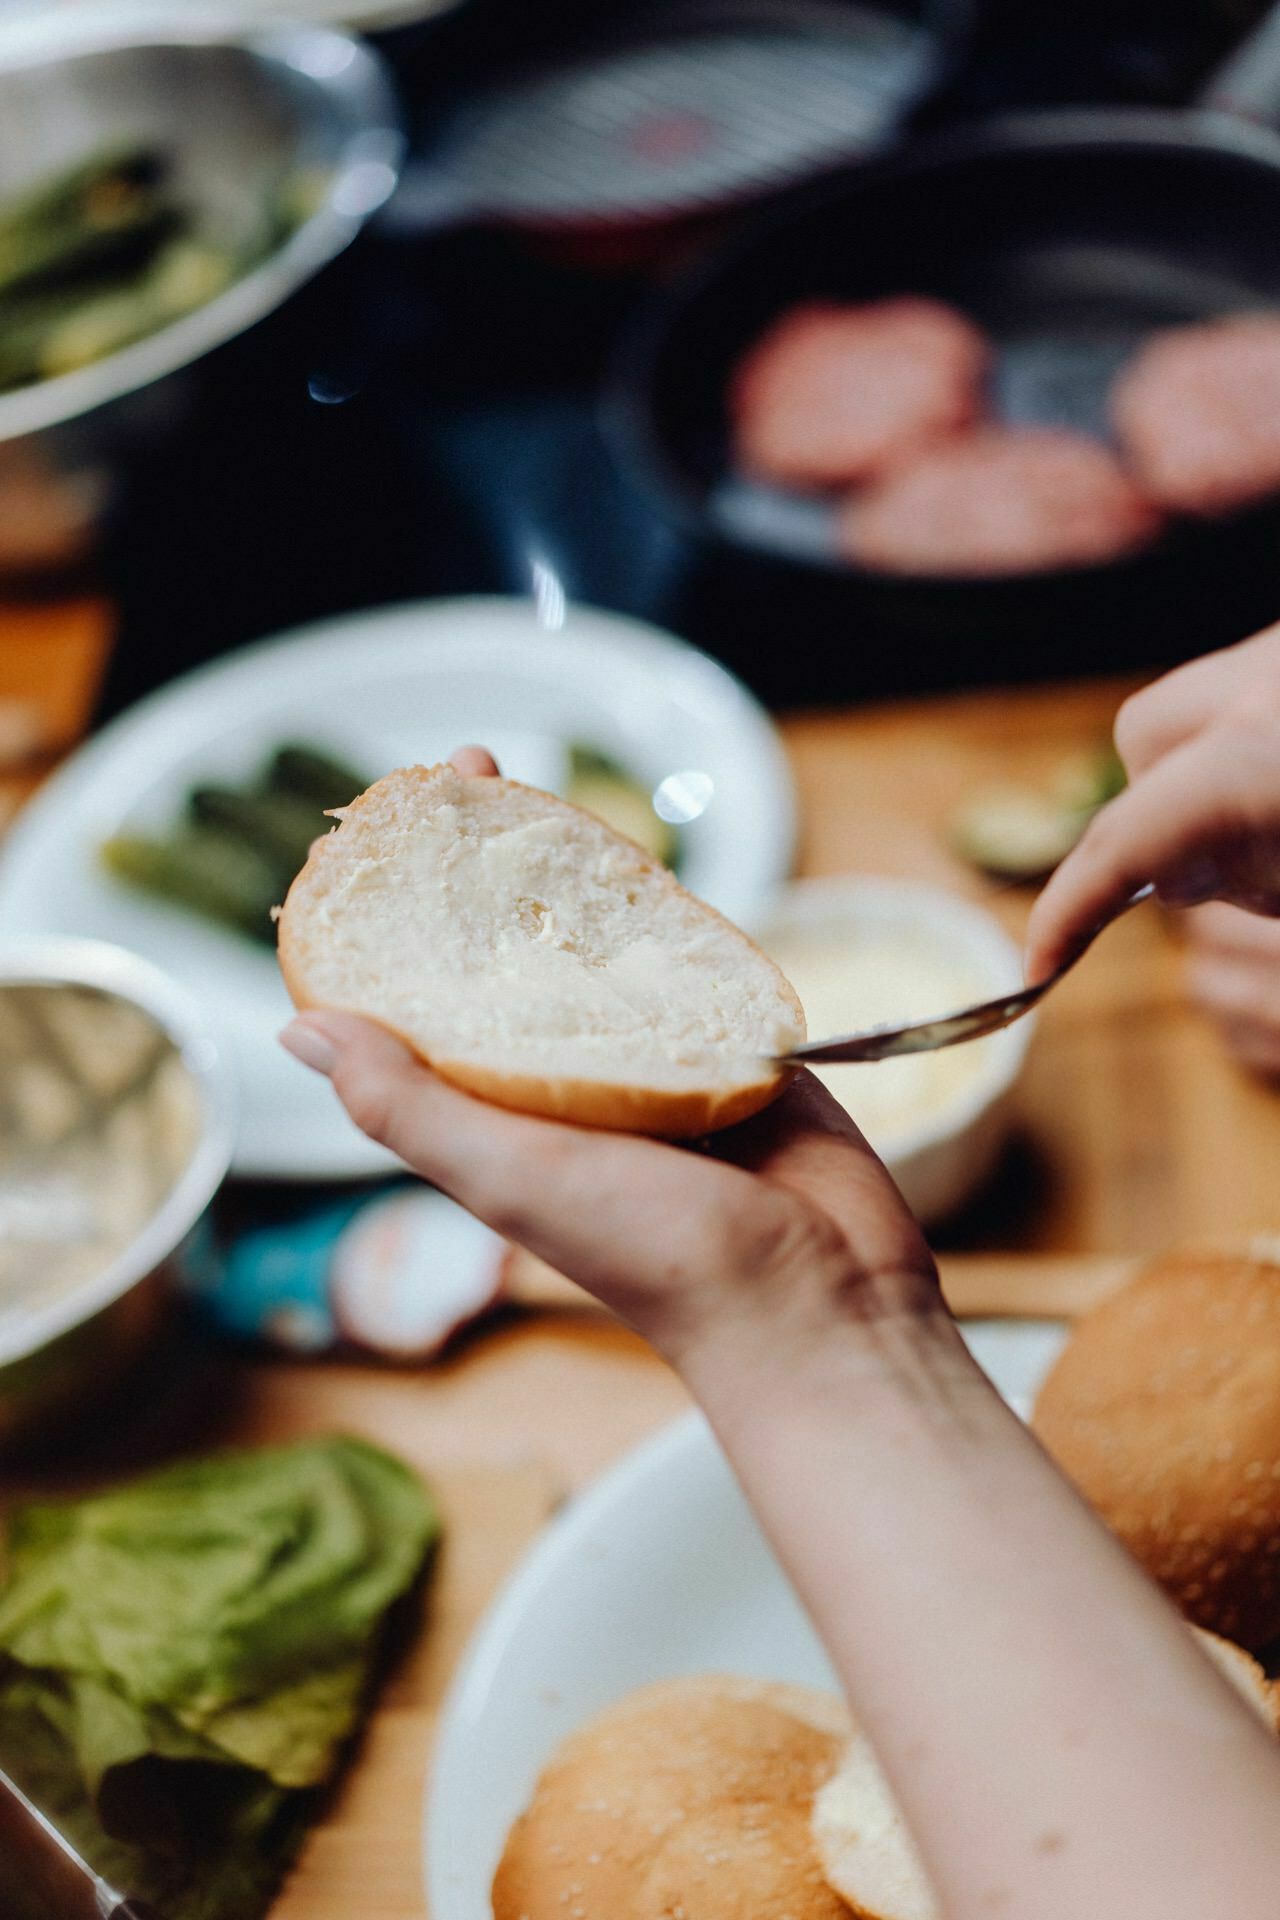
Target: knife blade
[(54, 1877)]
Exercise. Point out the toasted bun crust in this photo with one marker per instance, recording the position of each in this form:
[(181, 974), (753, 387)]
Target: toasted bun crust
[(692, 1794), (323, 966), (619, 1109), (749, 1860), (1164, 1408)]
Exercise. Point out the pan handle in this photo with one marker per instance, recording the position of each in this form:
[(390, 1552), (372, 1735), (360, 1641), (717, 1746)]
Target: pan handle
[(1247, 84)]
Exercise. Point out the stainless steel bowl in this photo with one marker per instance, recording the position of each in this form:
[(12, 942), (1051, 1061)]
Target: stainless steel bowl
[(116, 1129), (238, 103)]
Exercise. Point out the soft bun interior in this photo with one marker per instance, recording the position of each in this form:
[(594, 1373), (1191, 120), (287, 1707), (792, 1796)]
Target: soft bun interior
[(865, 1849), (502, 930)]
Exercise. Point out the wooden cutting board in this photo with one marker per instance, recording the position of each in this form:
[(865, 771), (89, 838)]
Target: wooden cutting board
[(364, 1861), (977, 1285), (1011, 1286)]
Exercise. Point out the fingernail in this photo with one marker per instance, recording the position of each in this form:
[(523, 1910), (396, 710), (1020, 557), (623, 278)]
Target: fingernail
[(309, 1046), (1198, 881)]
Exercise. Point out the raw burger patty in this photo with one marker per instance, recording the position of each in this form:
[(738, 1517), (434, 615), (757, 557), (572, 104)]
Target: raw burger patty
[(1197, 411), (998, 500), (830, 393)]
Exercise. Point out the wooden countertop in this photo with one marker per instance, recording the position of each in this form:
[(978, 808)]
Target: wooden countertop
[(1133, 1132)]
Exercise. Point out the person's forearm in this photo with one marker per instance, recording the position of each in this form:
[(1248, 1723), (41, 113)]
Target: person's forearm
[(1058, 1742)]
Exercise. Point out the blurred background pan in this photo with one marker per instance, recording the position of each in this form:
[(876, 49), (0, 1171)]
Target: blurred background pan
[(1069, 235), (675, 111)]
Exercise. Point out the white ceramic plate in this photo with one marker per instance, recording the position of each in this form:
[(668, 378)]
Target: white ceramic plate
[(658, 1569), (385, 689)]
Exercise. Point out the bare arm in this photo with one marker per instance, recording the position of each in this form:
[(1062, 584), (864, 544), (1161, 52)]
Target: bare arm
[(1059, 1744)]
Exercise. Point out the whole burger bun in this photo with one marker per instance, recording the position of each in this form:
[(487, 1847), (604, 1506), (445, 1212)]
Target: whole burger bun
[(1164, 1408), (692, 1795)]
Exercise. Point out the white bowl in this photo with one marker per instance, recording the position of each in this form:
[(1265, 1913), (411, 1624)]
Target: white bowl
[(939, 1158)]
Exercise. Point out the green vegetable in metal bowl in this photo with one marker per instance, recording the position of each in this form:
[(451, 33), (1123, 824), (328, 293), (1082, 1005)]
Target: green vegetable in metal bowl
[(183, 1658), (105, 209), (107, 252)]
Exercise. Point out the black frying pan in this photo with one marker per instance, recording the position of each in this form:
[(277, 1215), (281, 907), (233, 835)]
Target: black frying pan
[(1069, 236)]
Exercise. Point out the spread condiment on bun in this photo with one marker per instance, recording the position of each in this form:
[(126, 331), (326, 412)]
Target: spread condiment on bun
[(1164, 1408), (534, 956)]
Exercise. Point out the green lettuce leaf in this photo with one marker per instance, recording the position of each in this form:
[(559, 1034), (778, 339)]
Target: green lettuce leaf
[(183, 1658), (242, 1593)]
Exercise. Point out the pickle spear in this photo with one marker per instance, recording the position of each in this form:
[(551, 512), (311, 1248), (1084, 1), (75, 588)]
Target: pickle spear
[(314, 775), (198, 867), (278, 828)]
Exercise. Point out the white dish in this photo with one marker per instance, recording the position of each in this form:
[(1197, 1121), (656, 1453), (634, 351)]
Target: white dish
[(938, 1157), (657, 1569), (396, 686)]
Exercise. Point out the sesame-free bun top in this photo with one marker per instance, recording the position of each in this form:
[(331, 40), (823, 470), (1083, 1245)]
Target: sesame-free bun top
[(693, 1794), (1164, 1408), (534, 956)]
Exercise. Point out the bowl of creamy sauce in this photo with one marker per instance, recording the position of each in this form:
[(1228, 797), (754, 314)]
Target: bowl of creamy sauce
[(862, 951), (115, 1131)]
